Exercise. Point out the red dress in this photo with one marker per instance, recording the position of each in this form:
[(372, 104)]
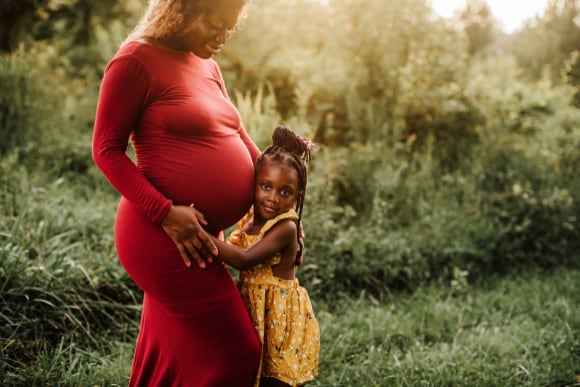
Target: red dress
[(190, 147)]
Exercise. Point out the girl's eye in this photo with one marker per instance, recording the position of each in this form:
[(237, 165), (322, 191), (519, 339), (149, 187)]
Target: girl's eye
[(286, 193), (265, 187)]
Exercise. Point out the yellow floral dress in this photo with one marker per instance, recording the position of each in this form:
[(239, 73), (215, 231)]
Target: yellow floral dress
[(281, 312)]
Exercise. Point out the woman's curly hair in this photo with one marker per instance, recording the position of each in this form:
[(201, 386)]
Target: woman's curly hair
[(169, 18)]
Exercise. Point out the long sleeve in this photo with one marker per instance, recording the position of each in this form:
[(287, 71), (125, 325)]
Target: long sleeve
[(123, 96)]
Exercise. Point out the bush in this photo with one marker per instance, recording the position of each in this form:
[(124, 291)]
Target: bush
[(41, 103), (382, 217)]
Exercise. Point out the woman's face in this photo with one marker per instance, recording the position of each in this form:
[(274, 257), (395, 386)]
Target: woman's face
[(206, 34)]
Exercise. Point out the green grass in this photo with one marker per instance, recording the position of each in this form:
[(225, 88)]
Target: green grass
[(522, 331), (509, 332)]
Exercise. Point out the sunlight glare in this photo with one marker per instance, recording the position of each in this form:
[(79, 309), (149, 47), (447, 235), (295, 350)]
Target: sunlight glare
[(511, 14)]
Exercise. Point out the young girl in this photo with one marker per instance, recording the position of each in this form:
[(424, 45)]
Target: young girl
[(266, 249)]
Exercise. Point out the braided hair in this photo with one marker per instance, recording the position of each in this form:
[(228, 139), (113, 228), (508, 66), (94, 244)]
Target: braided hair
[(292, 150)]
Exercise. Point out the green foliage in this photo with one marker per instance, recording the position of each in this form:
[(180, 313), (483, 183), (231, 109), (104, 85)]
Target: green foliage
[(259, 115), (42, 105), (75, 26), (395, 217), (548, 42), (477, 22), (402, 81)]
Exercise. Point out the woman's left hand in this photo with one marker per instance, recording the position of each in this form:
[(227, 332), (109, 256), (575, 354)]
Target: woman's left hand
[(183, 225)]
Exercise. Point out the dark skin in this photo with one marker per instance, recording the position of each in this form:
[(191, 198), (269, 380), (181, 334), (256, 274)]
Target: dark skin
[(183, 224), (280, 238)]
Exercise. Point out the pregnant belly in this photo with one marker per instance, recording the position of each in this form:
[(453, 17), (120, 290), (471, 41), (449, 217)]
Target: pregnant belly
[(218, 178)]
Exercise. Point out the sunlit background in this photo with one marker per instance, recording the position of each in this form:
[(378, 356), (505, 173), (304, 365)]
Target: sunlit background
[(510, 14)]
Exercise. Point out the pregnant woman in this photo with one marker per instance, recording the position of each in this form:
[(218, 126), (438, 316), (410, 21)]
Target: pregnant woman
[(194, 168)]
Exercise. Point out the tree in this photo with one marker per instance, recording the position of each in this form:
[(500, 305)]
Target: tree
[(562, 17), (551, 39), (17, 16), (73, 22), (479, 25)]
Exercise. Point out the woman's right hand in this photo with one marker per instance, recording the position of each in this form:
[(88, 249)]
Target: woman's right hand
[(183, 225)]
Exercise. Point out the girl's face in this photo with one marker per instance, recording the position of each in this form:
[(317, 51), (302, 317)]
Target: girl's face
[(276, 190), (207, 34)]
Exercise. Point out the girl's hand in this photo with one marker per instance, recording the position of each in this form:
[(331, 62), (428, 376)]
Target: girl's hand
[(183, 225)]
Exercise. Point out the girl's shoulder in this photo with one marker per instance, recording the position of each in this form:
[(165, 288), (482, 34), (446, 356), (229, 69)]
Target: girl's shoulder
[(244, 229), (289, 215)]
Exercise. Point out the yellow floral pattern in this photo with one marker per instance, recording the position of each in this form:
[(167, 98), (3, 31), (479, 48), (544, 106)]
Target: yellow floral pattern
[(281, 312)]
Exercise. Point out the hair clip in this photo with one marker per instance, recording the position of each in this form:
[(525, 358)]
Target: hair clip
[(309, 144)]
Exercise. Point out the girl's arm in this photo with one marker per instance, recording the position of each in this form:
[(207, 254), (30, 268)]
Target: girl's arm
[(278, 238)]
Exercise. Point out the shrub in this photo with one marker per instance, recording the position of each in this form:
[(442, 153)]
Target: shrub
[(385, 217)]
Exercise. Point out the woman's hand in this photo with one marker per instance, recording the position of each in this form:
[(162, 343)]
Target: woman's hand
[(183, 225)]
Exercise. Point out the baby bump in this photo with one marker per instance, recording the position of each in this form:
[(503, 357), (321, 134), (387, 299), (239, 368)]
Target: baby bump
[(217, 177)]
